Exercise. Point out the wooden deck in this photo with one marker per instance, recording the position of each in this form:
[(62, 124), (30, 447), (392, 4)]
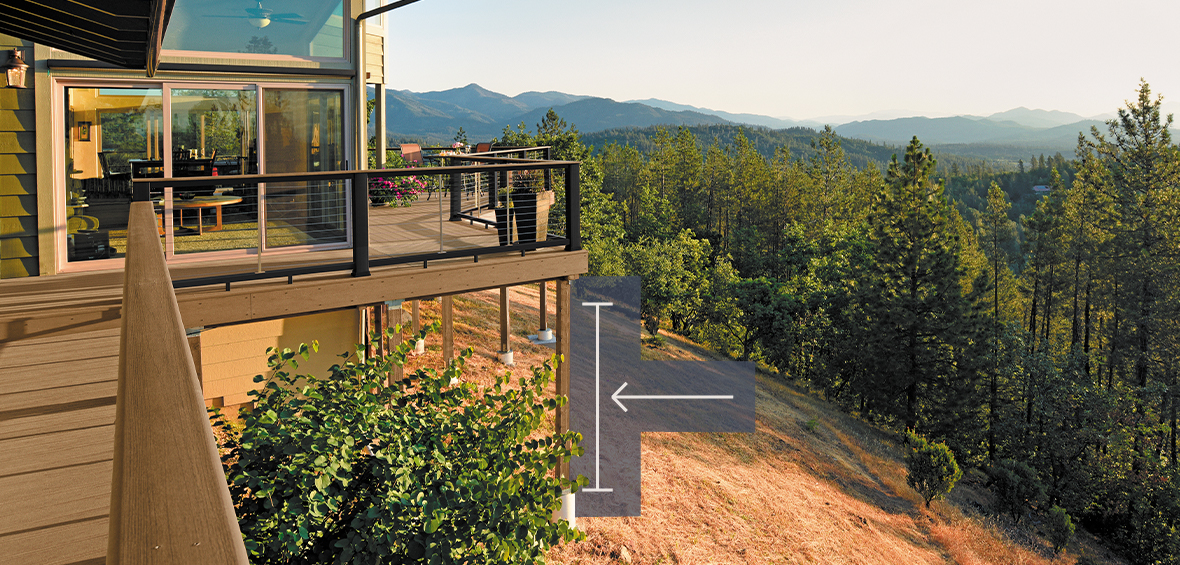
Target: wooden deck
[(59, 346), (57, 416)]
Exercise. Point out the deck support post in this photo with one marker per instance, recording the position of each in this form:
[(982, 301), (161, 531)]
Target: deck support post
[(416, 326), (394, 316), (561, 423), (505, 328), (543, 331), (448, 329)]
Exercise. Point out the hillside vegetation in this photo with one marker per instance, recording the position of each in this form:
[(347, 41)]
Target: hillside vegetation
[(1040, 348), (812, 485)]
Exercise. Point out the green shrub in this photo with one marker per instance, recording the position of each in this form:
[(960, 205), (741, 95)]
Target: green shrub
[(1016, 487), (349, 469), (933, 471), (1061, 528), (812, 424)]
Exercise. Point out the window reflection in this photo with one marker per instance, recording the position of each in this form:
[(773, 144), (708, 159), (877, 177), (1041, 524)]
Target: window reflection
[(301, 28), (106, 129)]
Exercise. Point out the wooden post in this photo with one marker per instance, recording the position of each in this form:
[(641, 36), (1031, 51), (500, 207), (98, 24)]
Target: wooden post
[(417, 321), (505, 321), (448, 330), (544, 310), (395, 316), (561, 423)]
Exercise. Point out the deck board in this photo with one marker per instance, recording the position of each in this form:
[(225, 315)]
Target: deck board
[(57, 430)]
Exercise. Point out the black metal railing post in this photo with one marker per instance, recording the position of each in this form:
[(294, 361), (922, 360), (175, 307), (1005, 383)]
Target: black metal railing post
[(494, 190), (548, 152), (573, 208), (456, 184), (360, 225)]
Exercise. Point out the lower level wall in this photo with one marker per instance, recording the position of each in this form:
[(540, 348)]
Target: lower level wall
[(231, 356)]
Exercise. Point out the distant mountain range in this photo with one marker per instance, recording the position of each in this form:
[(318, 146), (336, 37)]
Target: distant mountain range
[(435, 117)]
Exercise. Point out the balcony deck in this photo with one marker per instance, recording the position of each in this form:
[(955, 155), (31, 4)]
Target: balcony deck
[(60, 345)]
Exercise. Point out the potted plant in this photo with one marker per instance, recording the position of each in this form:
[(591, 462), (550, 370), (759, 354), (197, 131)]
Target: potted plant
[(530, 203)]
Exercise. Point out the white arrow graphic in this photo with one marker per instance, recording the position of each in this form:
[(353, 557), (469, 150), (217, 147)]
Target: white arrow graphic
[(616, 396)]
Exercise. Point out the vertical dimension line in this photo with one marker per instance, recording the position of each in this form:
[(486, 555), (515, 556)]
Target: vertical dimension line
[(597, 398)]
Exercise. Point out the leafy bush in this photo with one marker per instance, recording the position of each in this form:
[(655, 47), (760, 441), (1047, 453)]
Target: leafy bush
[(1061, 528), (933, 471), (350, 469), (1016, 487)]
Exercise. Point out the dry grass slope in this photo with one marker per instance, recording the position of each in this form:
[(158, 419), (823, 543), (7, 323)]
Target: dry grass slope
[(812, 485)]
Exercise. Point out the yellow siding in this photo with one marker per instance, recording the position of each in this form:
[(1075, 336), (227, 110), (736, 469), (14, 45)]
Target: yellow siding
[(231, 356), (375, 58), (18, 168)]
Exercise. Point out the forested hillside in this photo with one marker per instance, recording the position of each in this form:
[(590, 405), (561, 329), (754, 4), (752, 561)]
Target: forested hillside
[(803, 143), (1041, 348)]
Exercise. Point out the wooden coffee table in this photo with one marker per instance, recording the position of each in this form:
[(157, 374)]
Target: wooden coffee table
[(199, 202)]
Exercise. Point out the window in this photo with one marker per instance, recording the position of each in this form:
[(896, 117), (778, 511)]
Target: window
[(299, 28), (114, 134)]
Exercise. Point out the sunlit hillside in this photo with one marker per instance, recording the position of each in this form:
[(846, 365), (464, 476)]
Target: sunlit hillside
[(812, 485)]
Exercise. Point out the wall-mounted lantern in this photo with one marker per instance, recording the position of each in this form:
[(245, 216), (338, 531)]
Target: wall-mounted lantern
[(14, 70)]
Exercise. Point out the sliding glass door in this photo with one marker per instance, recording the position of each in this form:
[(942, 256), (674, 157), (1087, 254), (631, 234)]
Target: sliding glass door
[(117, 133), (106, 131), (304, 133), (214, 132)]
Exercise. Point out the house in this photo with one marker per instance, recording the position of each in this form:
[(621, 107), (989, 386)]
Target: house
[(1040, 189), (230, 131)]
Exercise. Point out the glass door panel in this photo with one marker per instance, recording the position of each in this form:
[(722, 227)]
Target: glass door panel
[(304, 132), (214, 133), (111, 133)]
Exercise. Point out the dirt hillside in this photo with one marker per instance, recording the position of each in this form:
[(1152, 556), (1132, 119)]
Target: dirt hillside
[(812, 485)]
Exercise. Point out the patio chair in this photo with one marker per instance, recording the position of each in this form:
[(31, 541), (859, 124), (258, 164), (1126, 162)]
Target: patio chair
[(122, 180), (411, 152), (483, 147)]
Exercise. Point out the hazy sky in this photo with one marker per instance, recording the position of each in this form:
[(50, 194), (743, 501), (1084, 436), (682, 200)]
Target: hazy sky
[(797, 58)]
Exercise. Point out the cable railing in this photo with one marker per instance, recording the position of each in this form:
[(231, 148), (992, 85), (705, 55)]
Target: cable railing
[(474, 205)]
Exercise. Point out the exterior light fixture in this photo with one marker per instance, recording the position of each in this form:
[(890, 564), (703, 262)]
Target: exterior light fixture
[(14, 70)]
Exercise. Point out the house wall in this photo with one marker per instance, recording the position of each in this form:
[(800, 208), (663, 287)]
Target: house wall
[(232, 355), (18, 174), (374, 59)]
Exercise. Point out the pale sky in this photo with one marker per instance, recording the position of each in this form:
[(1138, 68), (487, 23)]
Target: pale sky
[(798, 58)]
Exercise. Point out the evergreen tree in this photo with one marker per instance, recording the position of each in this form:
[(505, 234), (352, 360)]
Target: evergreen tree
[(913, 309)]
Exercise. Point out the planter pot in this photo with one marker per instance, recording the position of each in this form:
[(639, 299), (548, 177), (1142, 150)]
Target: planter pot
[(502, 225), (532, 214)]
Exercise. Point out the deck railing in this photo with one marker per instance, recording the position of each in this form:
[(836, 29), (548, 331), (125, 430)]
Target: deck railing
[(474, 205), (169, 499)]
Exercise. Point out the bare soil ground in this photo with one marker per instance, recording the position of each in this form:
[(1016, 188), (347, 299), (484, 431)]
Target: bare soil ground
[(812, 485)]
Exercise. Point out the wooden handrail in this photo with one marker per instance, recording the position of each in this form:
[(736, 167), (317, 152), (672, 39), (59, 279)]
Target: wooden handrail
[(169, 500)]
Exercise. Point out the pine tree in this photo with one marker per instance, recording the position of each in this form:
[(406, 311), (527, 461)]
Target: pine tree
[(997, 233), (913, 309)]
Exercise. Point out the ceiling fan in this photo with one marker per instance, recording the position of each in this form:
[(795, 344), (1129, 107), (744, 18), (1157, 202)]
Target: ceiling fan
[(261, 17)]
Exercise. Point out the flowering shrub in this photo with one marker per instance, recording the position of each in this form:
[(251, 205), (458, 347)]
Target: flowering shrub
[(395, 191), (457, 148)]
